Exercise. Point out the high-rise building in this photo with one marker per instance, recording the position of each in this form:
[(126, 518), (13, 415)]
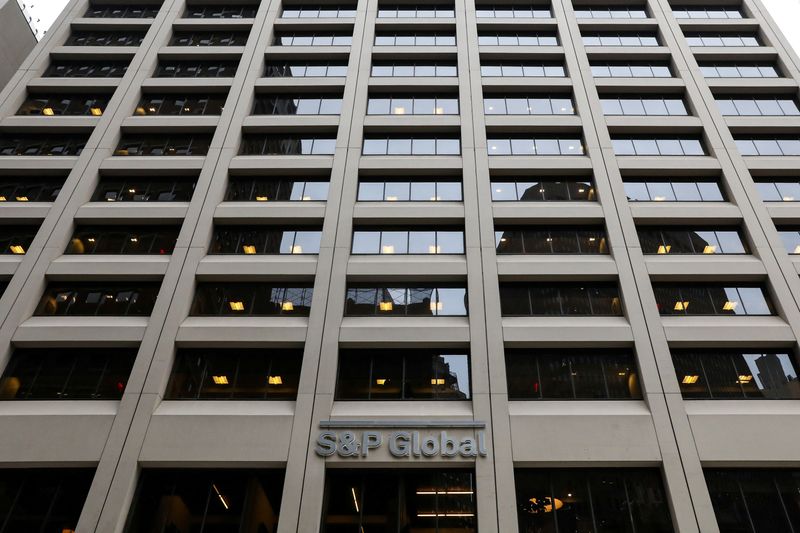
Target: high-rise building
[(16, 39), (392, 266)]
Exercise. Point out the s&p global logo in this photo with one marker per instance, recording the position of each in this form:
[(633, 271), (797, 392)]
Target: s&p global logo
[(403, 438)]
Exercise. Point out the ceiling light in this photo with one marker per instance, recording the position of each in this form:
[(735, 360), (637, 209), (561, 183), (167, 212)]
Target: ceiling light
[(221, 497), (432, 249), (381, 381), (249, 249), (434, 492), (710, 249), (436, 306), (690, 380), (388, 249), (220, 380), (391, 198), (399, 110), (48, 112), (17, 249), (355, 500), (385, 306), (287, 306), (745, 379), (261, 198), (730, 306), (681, 306), (274, 380), (134, 239), (22, 198), (437, 381), (659, 198), (788, 198), (236, 306), (96, 111), (664, 249), (297, 249)]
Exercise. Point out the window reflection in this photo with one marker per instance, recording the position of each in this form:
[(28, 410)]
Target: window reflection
[(209, 38), (691, 241), (673, 190), (779, 189), (130, 11), (543, 190), (550, 241), (620, 39), (270, 144), (403, 242), (732, 70), (191, 104), (250, 241), (533, 105), (517, 39), (758, 106), (614, 12), (105, 38), (140, 189), (298, 105), (513, 11), (86, 69), (443, 145), (618, 69), (273, 189), (123, 240), (413, 105), (397, 190), (63, 144), (29, 188), (543, 145), (252, 299), (415, 39), (560, 299), (313, 39), (417, 69), (443, 300), (658, 146), (34, 499), (162, 145), (196, 69), (716, 12), (65, 104), (323, 12), (768, 146), (98, 299), (722, 39), (16, 240), (527, 69), (644, 106), (306, 69), (712, 299), (225, 11), (412, 11)]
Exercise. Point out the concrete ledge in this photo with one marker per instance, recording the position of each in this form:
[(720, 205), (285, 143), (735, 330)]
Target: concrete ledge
[(256, 267), (81, 331), (726, 331), (577, 331), (110, 267), (405, 331), (555, 267), (202, 331)]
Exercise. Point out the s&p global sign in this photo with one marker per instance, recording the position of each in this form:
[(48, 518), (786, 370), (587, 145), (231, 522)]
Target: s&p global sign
[(402, 438)]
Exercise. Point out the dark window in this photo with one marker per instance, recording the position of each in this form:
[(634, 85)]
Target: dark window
[(43, 499), (442, 300), (526, 69), (528, 105), (196, 69), (617, 69), (755, 500), (775, 146), (779, 189), (251, 240), (417, 145), (534, 145), (270, 189), (98, 299), (673, 190), (560, 299), (123, 240), (400, 500), (63, 104), (412, 105), (541, 240), (86, 69), (184, 104), (418, 69), (415, 39), (736, 374), (270, 144), (322, 12), (678, 240), (306, 69), (658, 146), (105, 38), (41, 144), (722, 39), (233, 11), (741, 70), (571, 375), (591, 499), (252, 299), (119, 11), (614, 12), (313, 39), (67, 374), (29, 189), (16, 239), (513, 11), (408, 242), (133, 189), (302, 104), (235, 374), (403, 375), (152, 144), (209, 38), (711, 299), (206, 500), (517, 39), (543, 190), (423, 190)]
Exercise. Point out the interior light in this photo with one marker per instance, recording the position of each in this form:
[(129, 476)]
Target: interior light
[(545, 505), (91, 239), (274, 380), (581, 190), (437, 306), (48, 112), (709, 249), (96, 111), (433, 249), (2, 198), (399, 110), (730, 306), (690, 380), (134, 239), (788, 198), (187, 109), (249, 249), (355, 500), (434, 492), (380, 381), (621, 374), (306, 198), (221, 497), (592, 239), (744, 379), (664, 249), (681, 306), (220, 380), (287, 306), (388, 249), (140, 111), (236, 306), (386, 306), (132, 191), (261, 198), (437, 381), (297, 249), (440, 515), (439, 111), (391, 198), (17, 249), (22, 198), (659, 198), (152, 109)]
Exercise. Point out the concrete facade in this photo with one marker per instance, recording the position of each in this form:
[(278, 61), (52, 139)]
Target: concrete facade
[(16, 39), (663, 430)]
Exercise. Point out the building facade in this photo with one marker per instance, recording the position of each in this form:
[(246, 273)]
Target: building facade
[(401, 266), (16, 39)]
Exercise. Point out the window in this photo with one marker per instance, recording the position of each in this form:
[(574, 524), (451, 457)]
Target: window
[(430, 499), (275, 189), (86, 69), (411, 11), (63, 104), (421, 69), (517, 39), (768, 146), (270, 144), (67, 374), (722, 39), (252, 299), (141, 189), (411, 146), (412, 105), (186, 104), (16, 240), (302, 104), (534, 240), (321, 12), (306, 69), (716, 12), (41, 499), (414, 39), (313, 39), (442, 300), (673, 190), (104, 38), (226, 11), (711, 299), (208, 499), (403, 375), (118, 11), (758, 106), (736, 374), (196, 69), (42, 144), (423, 190), (235, 374), (525, 69), (691, 241), (513, 11), (791, 239), (419, 241), (152, 144), (572, 375), (209, 38), (533, 105), (560, 299), (249, 240), (541, 145), (779, 189), (733, 70), (646, 105), (591, 499), (543, 190), (615, 12), (763, 499), (123, 240), (630, 70), (98, 299), (620, 39), (29, 189), (661, 146)]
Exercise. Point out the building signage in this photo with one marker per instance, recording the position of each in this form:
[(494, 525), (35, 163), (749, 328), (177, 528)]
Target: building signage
[(405, 438)]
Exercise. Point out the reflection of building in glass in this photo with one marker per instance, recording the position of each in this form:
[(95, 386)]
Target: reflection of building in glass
[(774, 380)]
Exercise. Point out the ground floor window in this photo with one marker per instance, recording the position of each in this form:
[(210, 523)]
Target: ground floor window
[(405, 500)]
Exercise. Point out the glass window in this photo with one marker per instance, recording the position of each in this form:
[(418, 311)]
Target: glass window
[(268, 189), (550, 241), (421, 301), (713, 299), (126, 240), (42, 499), (256, 299), (98, 299), (560, 299), (691, 241)]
